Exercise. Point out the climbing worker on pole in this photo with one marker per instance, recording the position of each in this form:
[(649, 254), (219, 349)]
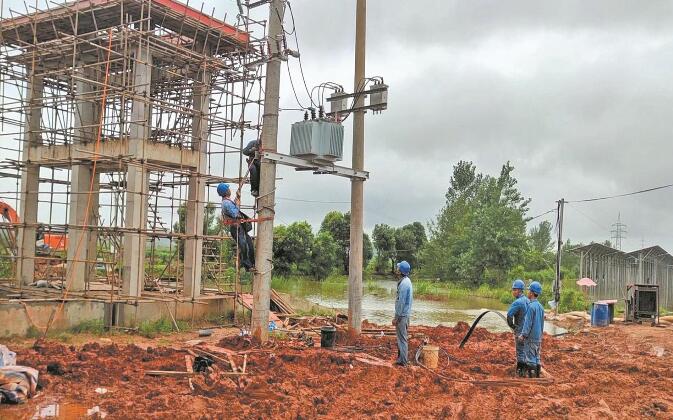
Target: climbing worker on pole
[(238, 229), (515, 317), (531, 332), (405, 297), (251, 151)]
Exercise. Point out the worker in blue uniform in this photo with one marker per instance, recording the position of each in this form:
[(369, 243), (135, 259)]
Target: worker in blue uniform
[(232, 216), (254, 165), (403, 302), (515, 317), (531, 332)]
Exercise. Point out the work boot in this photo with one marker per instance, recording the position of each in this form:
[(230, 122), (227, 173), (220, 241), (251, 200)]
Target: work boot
[(520, 369), (537, 371), (531, 370)]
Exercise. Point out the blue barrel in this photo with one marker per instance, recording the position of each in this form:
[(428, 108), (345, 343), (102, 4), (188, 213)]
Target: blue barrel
[(600, 315)]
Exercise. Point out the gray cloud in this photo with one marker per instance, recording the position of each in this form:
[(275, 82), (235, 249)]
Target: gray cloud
[(576, 94)]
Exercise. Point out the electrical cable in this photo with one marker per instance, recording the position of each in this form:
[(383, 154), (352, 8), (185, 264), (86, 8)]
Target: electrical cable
[(540, 215), (312, 201), (474, 325), (301, 67), (621, 195), (296, 97)]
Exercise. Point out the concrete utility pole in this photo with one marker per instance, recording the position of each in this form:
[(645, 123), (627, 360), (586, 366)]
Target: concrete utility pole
[(559, 248), (357, 184), (267, 184)]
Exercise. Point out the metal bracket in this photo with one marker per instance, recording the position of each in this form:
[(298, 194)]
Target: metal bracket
[(318, 168)]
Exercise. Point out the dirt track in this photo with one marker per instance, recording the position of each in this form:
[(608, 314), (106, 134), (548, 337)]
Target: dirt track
[(601, 373)]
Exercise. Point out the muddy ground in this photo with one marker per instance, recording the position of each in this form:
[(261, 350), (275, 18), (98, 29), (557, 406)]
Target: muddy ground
[(623, 371)]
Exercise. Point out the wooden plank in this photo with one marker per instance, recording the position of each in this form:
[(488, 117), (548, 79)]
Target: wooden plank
[(179, 374), (169, 373), (189, 362)]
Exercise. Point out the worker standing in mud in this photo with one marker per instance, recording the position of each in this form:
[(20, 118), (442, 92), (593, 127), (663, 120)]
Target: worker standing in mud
[(405, 297), (232, 216), (531, 332), (515, 318)]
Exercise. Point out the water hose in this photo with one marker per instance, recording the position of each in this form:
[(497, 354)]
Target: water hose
[(474, 325)]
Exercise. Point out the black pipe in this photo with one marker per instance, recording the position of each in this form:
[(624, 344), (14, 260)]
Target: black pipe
[(474, 325)]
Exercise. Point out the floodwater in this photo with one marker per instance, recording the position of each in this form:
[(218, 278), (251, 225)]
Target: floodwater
[(378, 305)]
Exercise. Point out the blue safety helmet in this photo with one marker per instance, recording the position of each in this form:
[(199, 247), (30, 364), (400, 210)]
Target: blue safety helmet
[(222, 189), (536, 288), (404, 267), (518, 284)]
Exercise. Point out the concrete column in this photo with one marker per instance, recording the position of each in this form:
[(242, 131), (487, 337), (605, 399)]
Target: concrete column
[(357, 185), (196, 194), (94, 217), (82, 204), (137, 177), (25, 268)]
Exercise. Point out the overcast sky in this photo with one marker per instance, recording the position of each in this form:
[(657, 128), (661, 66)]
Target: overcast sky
[(577, 95)]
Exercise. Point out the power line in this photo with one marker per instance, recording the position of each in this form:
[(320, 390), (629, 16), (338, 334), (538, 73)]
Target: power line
[(312, 201), (540, 215), (301, 67), (621, 195)]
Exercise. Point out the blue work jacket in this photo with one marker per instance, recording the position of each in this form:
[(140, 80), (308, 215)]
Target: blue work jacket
[(533, 324), (517, 311), (229, 209), (405, 297)]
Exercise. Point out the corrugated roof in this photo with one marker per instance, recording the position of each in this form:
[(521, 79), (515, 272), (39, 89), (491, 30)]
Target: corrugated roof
[(652, 252), (597, 249)]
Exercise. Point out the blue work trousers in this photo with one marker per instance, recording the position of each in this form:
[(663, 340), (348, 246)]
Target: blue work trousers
[(402, 339), (531, 351), (246, 249), (520, 352)]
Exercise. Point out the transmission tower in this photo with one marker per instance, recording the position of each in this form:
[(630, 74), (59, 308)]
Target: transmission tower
[(618, 232)]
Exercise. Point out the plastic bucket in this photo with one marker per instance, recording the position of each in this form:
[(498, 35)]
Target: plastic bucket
[(327, 336), (430, 356), (600, 315)]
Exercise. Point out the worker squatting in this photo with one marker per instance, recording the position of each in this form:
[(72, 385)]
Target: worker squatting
[(525, 317)]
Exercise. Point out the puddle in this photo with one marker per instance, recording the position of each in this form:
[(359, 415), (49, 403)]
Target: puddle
[(67, 411)]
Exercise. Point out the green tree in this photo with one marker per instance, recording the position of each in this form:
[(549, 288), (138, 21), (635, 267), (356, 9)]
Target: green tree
[(292, 247), (367, 250), (410, 239), (540, 237), (324, 256), (337, 224), (481, 231), (384, 242)]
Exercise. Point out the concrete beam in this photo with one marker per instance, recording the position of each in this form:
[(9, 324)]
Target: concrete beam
[(154, 153)]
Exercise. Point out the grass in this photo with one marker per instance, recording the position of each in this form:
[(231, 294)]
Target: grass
[(316, 310), (151, 329), (94, 326)]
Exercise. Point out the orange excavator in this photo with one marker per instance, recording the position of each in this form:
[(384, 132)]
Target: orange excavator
[(52, 241)]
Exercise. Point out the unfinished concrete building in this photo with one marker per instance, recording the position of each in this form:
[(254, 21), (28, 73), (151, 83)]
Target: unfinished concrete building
[(119, 117)]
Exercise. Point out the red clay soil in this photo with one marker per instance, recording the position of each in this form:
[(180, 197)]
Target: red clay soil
[(600, 373)]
